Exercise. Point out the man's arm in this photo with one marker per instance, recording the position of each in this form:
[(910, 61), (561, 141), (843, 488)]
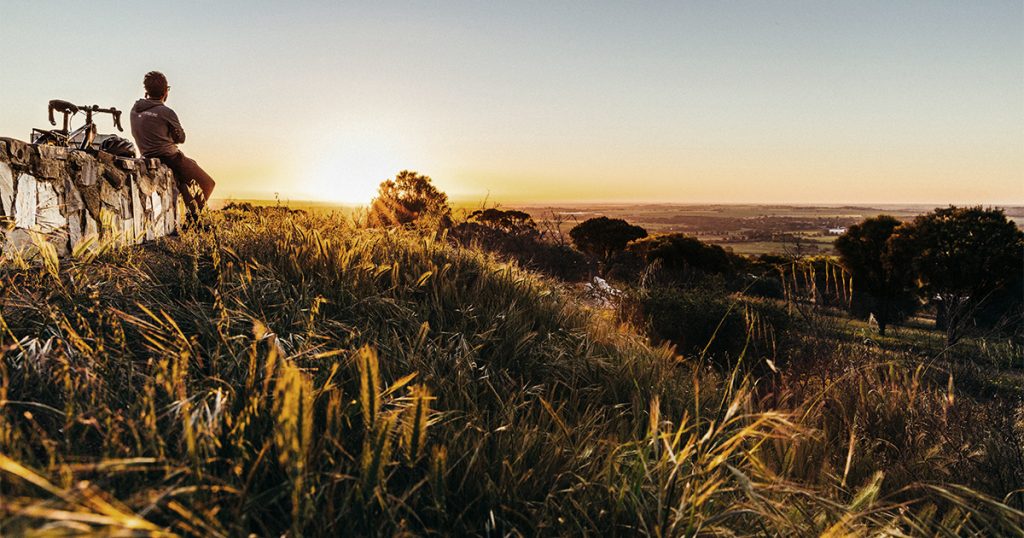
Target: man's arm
[(177, 132)]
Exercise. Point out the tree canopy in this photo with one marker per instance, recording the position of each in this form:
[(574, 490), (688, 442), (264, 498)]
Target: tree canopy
[(508, 221), (406, 199), (602, 237), (883, 284), (680, 253), (963, 258)]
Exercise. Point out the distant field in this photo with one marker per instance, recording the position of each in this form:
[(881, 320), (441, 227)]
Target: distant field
[(743, 228), (750, 229), (305, 205)]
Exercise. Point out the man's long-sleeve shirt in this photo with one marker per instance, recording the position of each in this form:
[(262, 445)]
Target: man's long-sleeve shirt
[(156, 128)]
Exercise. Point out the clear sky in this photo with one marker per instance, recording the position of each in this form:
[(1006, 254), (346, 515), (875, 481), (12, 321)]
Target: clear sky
[(807, 102)]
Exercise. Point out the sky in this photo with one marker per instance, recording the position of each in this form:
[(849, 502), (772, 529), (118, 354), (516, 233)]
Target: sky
[(551, 101)]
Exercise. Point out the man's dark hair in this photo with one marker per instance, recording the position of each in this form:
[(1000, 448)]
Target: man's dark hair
[(155, 83)]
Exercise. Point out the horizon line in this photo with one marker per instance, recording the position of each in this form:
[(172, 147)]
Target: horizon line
[(465, 201)]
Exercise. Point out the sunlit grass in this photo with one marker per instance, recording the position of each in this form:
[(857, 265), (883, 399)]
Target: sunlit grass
[(292, 373)]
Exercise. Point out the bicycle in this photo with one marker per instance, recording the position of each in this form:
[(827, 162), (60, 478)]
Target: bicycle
[(84, 137)]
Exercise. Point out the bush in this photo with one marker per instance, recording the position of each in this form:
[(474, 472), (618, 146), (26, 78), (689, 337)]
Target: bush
[(706, 320), (627, 267), (513, 235), (560, 261), (682, 256), (765, 286)]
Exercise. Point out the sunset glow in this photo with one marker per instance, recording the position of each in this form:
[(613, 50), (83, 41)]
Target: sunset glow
[(348, 170), (679, 102), (512, 268)]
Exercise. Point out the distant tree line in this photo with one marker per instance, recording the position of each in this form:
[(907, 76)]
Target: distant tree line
[(967, 263)]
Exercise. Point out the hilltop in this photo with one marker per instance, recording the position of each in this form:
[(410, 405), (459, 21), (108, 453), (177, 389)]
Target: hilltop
[(290, 372)]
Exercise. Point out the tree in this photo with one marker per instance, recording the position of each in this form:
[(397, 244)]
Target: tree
[(509, 221), (883, 284), (681, 255), (509, 231), (964, 257), (602, 237), (513, 234), (406, 199)]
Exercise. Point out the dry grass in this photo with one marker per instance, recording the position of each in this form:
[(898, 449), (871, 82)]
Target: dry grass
[(294, 374)]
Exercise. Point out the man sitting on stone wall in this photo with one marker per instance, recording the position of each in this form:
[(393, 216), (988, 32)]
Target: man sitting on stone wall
[(158, 132)]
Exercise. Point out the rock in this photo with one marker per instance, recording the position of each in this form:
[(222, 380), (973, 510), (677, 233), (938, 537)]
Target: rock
[(116, 225), (92, 200), (156, 206), (126, 228), (137, 213), (171, 219), (49, 168), (126, 201), (72, 197), (17, 239), (147, 183), (167, 179), (48, 216), (84, 168), (76, 228), (105, 158), (92, 225), (59, 240), (115, 177), (110, 196), (25, 202), (52, 152), (600, 293), (19, 152), (59, 193), (6, 190)]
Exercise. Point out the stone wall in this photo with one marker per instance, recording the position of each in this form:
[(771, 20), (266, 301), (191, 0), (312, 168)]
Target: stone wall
[(69, 194)]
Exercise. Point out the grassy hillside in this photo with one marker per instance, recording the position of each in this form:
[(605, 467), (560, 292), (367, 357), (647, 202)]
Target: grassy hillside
[(291, 373)]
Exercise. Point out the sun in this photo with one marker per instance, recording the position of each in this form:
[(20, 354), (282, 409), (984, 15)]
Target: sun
[(349, 173)]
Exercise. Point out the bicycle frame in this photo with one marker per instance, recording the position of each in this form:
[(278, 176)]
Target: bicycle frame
[(87, 131)]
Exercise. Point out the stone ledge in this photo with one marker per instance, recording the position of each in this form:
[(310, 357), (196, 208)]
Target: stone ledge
[(68, 195)]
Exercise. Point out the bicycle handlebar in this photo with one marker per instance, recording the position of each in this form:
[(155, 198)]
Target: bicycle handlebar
[(66, 107), (113, 112)]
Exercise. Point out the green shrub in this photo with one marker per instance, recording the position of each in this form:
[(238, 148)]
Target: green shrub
[(513, 235), (705, 320), (680, 255), (765, 286)]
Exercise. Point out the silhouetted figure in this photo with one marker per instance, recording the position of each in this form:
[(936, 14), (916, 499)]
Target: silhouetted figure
[(158, 132)]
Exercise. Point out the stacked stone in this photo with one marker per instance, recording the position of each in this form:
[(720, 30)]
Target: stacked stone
[(68, 194)]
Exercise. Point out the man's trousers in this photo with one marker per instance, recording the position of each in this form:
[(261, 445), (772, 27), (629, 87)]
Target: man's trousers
[(185, 171)]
